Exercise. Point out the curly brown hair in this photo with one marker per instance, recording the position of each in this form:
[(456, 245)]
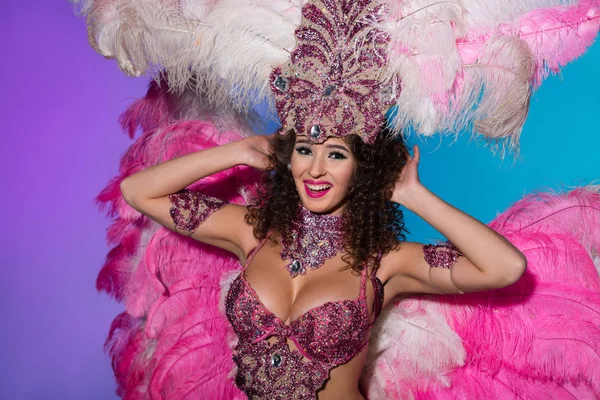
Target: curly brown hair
[(377, 224)]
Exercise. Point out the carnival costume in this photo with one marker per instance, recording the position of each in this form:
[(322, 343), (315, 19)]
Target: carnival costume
[(333, 68)]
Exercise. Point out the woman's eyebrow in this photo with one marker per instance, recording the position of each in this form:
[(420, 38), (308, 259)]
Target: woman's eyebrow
[(337, 146), (328, 146)]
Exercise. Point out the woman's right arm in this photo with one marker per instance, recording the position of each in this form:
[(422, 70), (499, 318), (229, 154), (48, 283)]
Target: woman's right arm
[(148, 192)]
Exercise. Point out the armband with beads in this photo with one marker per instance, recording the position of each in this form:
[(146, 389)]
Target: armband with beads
[(441, 255), (189, 209)]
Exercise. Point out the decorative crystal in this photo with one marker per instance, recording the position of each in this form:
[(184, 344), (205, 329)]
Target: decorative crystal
[(386, 94), (313, 239), (328, 90), (315, 131), (295, 266), (342, 62), (276, 360), (281, 83)]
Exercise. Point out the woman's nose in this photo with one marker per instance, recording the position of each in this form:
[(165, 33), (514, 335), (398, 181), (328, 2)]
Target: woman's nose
[(317, 167)]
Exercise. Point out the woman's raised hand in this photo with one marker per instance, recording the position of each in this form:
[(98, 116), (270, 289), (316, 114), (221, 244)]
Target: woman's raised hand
[(408, 183), (256, 151)]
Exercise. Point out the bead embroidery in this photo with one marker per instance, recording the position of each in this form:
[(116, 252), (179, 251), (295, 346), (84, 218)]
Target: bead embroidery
[(198, 207), (325, 336), (441, 255), (333, 84), (314, 239)]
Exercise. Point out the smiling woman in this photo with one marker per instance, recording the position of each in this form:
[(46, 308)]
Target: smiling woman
[(358, 179), (321, 244), (321, 169), (333, 208)]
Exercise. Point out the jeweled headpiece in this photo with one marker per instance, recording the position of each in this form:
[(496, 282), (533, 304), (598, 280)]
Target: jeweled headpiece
[(335, 66), (332, 84)]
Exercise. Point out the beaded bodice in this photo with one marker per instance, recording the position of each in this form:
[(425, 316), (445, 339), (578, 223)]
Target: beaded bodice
[(324, 337)]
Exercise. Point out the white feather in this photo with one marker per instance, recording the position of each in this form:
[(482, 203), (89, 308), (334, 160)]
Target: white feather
[(82, 6), (463, 63), (412, 342), (245, 41), (225, 283), (424, 56), (494, 12), (225, 48)]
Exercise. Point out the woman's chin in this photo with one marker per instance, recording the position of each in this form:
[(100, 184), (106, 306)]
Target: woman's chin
[(322, 206), (316, 209)]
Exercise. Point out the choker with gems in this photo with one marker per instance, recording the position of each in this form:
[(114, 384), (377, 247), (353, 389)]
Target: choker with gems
[(314, 239)]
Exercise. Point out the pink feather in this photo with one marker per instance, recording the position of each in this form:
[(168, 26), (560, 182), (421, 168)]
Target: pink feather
[(126, 344), (559, 35), (545, 328), (539, 338), (149, 264), (150, 112), (577, 213), (191, 353)]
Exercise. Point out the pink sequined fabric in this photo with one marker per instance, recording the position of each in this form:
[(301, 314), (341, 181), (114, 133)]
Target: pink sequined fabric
[(441, 255), (314, 239), (332, 85), (198, 207), (325, 337)]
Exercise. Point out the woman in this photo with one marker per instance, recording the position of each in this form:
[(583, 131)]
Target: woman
[(348, 187), (322, 246)]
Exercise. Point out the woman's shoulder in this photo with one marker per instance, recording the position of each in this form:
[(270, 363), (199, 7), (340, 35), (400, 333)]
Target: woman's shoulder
[(398, 261)]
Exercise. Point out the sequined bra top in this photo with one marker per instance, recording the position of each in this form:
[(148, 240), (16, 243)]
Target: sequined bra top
[(325, 337)]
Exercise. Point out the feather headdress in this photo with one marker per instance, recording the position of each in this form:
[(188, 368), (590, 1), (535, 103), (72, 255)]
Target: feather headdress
[(450, 66)]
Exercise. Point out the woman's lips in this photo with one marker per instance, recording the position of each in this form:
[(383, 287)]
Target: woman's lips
[(317, 189)]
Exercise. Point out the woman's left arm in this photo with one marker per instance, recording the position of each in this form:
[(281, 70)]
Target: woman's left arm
[(488, 260)]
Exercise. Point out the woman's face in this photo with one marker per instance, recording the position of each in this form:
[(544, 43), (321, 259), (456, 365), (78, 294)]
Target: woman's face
[(322, 174)]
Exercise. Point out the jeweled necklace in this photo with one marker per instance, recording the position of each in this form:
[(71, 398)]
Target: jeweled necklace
[(314, 239)]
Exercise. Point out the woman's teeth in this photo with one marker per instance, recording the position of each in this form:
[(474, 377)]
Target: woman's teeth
[(318, 188)]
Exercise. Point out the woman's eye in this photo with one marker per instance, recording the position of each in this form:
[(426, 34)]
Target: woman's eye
[(336, 155), (303, 151)]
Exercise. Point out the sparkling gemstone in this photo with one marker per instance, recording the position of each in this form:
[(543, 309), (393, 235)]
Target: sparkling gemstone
[(386, 94), (315, 131), (276, 360), (296, 265), (328, 90), (280, 83)]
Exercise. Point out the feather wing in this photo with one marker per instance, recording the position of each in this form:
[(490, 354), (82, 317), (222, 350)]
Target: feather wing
[(539, 338), (463, 64), (170, 284)]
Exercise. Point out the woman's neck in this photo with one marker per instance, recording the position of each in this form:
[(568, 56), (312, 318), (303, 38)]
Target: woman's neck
[(313, 239)]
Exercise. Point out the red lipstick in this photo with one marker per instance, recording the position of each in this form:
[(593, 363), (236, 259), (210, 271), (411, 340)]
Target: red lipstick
[(316, 193)]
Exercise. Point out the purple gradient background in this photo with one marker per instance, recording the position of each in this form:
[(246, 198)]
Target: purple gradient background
[(61, 145)]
